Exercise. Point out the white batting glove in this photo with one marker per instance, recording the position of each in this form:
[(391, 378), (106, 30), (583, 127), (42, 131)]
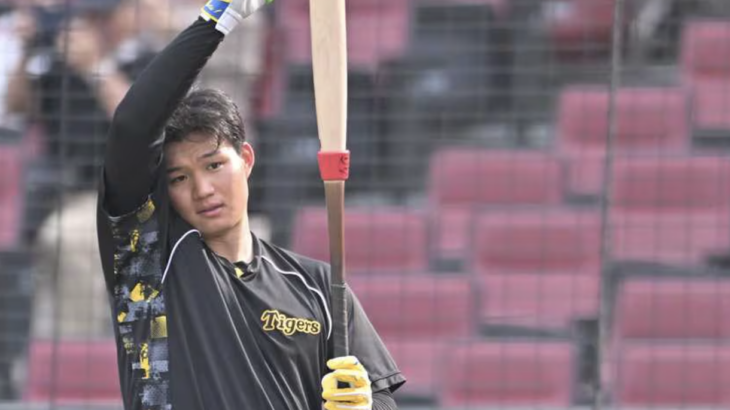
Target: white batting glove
[(349, 370), (228, 13)]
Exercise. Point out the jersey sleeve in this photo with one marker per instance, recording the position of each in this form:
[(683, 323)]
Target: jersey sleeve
[(366, 345), (132, 245)]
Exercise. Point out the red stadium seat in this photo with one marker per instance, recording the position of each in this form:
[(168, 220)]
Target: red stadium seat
[(419, 360), (705, 45), (580, 27), (537, 269), (534, 241), (673, 308), (711, 108), (672, 184), (463, 180), (10, 196), (656, 374), (380, 240), (670, 210), (73, 372), (539, 300), (377, 31), (649, 120), (416, 316), (467, 176), (484, 373), (419, 306)]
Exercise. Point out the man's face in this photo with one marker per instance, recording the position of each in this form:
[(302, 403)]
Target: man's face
[(208, 184)]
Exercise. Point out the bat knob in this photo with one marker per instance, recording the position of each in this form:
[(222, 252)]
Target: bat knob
[(334, 166)]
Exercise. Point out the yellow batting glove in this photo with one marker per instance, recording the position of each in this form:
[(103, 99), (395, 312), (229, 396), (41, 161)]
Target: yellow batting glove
[(358, 396)]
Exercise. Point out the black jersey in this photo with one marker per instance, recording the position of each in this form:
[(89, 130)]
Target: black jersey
[(195, 331)]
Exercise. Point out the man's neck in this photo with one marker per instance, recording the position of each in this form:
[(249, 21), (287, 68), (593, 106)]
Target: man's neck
[(236, 245)]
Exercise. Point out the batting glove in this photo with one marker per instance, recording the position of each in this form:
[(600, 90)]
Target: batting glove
[(228, 13), (358, 396)]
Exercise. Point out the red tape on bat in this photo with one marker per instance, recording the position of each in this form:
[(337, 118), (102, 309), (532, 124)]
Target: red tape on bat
[(334, 166)]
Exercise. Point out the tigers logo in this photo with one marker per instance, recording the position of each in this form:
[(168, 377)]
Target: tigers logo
[(274, 320)]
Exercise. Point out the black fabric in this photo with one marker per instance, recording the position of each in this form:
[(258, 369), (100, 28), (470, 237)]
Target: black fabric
[(191, 333), (383, 400)]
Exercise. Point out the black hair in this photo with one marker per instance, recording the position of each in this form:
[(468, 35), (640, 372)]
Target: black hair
[(210, 112)]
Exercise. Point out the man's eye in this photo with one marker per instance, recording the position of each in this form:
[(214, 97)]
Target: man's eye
[(215, 165), (176, 180)]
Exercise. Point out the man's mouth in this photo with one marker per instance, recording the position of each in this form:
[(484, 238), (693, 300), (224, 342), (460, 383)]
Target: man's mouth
[(211, 211)]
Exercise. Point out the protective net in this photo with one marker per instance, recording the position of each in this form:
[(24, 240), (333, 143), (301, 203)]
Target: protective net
[(538, 209)]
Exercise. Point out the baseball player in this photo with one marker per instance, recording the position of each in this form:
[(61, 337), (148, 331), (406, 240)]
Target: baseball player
[(207, 315)]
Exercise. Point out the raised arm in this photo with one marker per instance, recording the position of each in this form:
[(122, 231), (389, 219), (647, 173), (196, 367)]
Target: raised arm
[(141, 116)]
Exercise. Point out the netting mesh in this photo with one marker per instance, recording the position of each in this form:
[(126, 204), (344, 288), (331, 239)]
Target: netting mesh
[(538, 212)]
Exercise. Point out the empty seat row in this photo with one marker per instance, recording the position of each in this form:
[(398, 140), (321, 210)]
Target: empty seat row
[(655, 308), (454, 373), (669, 342), (666, 348), (449, 306), (551, 240)]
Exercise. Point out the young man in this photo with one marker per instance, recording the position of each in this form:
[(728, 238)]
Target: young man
[(207, 315)]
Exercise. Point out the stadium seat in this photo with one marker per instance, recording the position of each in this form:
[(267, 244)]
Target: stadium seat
[(657, 374), (549, 302), (536, 241), (417, 316), (463, 180), (10, 196), (420, 306), (580, 27), (378, 240), (486, 373), (419, 360), (377, 31), (705, 43), (672, 308), (649, 121), (73, 372), (674, 210), (711, 108)]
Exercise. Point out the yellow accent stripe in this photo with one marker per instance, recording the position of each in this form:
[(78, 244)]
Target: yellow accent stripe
[(144, 360), (159, 327), (239, 272), (209, 16), (137, 294)]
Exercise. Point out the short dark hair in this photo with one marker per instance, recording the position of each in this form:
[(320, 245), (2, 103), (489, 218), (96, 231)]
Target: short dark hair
[(206, 111)]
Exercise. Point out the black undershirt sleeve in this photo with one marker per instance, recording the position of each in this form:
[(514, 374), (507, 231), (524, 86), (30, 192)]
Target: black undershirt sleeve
[(141, 116), (383, 400)]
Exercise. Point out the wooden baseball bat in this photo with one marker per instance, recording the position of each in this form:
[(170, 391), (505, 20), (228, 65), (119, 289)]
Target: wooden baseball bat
[(329, 60)]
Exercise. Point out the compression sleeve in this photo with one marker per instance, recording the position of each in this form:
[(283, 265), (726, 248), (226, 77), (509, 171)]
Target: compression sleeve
[(141, 116), (383, 400)]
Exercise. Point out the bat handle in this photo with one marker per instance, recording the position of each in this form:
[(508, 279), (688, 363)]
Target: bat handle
[(339, 330), (334, 165)]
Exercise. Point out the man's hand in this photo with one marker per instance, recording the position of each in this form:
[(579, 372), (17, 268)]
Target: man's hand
[(358, 396), (228, 13)]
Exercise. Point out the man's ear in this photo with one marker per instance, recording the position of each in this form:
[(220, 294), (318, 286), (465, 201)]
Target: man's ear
[(249, 157)]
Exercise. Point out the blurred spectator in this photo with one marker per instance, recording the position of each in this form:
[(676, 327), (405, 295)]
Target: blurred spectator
[(80, 67), (81, 64), (16, 30)]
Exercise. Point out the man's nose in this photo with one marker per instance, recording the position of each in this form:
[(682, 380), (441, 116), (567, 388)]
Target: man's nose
[(203, 188)]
